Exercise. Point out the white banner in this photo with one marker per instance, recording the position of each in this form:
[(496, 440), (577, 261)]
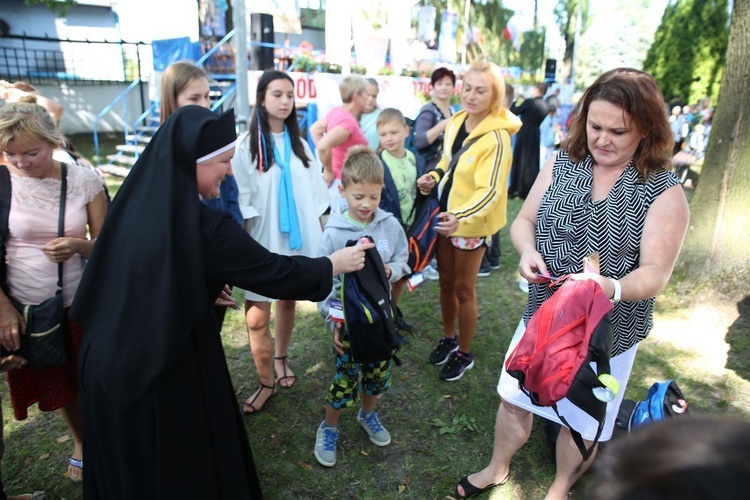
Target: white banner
[(400, 92)]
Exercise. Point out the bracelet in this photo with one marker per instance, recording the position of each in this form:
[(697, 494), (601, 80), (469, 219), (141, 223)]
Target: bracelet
[(618, 290)]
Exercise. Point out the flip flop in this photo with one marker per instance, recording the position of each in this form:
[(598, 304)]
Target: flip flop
[(284, 375), (471, 491), (78, 464), (251, 404)]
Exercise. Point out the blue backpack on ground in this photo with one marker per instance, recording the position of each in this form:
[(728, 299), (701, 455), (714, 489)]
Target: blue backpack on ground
[(663, 400), (369, 312)]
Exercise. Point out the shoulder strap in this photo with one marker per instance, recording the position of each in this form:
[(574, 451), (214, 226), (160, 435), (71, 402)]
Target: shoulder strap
[(61, 221), (4, 213), (455, 157)]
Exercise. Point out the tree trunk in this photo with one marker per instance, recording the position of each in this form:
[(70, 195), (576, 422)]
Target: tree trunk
[(716, 253)]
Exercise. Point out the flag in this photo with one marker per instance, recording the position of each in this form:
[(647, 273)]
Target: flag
[(512, 31)]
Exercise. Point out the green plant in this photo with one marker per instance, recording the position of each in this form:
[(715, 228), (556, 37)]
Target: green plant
[(327, 67), (303, 63), (356, 69), (457, 425)]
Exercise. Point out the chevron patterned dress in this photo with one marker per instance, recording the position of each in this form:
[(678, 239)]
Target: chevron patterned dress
[(570, 226)]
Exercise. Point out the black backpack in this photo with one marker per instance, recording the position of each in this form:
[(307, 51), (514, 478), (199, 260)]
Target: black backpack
[(369, 312)]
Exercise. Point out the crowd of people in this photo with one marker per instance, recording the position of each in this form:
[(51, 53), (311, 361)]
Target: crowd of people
[(147, 281)]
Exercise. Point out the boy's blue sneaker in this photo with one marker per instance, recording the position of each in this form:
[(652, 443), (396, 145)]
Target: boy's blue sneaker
[(325, 445), (457, 364), (378, 434), (445, 347)]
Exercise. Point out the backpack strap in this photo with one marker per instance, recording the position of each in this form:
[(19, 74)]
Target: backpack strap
[(578, 439), (5, 191)]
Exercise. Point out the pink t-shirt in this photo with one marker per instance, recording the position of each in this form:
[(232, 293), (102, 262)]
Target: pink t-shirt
[(340, 117), (32, 223)]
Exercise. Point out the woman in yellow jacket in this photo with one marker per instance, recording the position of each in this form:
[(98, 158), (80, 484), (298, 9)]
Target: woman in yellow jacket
[(473, 197)]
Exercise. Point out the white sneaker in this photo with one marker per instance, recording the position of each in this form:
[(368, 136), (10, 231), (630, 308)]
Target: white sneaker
[(430, 273), (523, 284)]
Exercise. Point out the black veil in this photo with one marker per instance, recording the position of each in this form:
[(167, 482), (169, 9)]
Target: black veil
[(144, 287)]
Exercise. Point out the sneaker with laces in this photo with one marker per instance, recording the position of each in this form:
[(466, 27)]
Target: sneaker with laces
[(444, 348), (457, 364), (325, 445), (370, 423)]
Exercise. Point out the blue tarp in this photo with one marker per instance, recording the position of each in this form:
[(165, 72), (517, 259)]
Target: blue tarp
[(171, 50)]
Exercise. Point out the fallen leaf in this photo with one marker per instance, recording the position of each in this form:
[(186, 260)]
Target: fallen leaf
[(364, 453), (304, 465), (28, 461), (63, 438), (401, 488), (405, 377), (44, 456)]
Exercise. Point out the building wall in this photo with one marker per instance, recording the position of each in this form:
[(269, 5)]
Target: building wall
[(83, 103)]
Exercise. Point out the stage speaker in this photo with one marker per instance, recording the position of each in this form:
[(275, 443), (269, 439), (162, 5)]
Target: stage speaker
[(550, 68), (261, 31)]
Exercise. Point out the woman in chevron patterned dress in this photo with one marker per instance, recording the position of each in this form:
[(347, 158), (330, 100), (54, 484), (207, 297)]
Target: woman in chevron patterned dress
[(607, 191)]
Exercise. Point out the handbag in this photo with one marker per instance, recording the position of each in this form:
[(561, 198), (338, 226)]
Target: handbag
[(43, 342)]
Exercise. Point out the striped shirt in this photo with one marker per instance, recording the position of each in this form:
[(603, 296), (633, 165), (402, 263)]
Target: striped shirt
[(570, 226)]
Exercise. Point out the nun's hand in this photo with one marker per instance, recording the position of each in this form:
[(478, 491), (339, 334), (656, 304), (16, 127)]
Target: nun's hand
[(349, 259), (225, 299)]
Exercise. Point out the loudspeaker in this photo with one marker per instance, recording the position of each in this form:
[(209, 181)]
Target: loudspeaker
[(261, 30), (550, 68)]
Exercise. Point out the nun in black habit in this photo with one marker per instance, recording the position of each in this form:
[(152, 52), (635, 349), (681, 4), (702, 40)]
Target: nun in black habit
[(161, 419)]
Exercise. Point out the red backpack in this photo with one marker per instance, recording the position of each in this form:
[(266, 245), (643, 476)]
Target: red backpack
[(551, 361)]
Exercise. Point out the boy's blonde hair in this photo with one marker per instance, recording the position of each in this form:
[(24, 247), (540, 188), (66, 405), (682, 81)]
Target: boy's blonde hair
[(497, 79), (351, 86), (361, 166), (390, 115), (26, 121)]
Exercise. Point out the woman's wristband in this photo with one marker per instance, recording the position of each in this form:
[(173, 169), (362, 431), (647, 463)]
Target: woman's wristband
[(618, 290)]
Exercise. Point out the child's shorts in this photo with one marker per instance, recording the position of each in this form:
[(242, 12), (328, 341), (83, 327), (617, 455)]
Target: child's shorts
[(346, 385)]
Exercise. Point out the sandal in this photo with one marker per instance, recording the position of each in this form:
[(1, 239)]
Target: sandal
[(251, 403), (78, 464), (471, 491), (284, 375)]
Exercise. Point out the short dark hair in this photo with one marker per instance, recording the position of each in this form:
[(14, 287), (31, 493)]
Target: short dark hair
[(687, 457), (637, 94), (441, 73), (541, 87)]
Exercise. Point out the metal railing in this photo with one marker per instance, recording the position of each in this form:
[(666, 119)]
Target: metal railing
[(46, 60)]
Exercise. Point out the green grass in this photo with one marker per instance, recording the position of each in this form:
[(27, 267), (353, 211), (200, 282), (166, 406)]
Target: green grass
[(690, 343)]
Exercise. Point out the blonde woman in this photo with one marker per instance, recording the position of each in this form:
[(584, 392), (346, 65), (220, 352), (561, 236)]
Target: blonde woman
[(473, 197), (28, 138)]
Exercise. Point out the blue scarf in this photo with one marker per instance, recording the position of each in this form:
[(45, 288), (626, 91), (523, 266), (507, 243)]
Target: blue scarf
[(288, 219)]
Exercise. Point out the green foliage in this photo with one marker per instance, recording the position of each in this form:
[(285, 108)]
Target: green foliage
[(457, 425), (531, 55), (688, 53), (59, 7)]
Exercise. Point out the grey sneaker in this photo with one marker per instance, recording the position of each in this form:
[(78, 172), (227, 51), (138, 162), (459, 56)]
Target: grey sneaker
[(325, 445), (378, 434)]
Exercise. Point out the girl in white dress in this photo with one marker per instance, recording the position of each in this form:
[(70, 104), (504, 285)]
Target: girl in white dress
[(282, 196)]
